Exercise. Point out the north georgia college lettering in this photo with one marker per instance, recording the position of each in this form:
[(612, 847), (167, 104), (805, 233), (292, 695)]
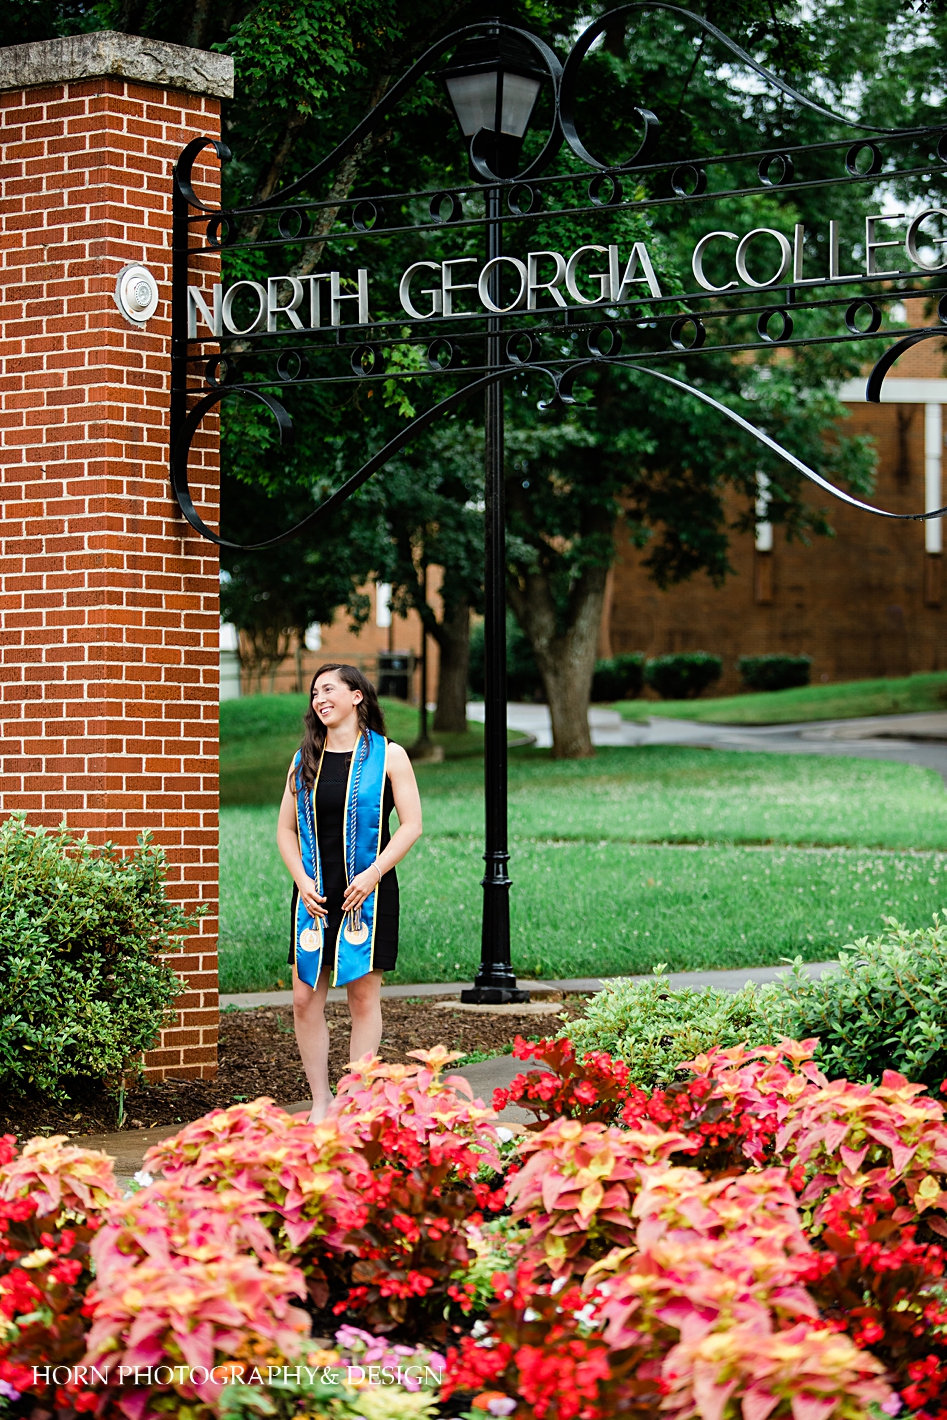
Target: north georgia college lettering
[(321, 295)]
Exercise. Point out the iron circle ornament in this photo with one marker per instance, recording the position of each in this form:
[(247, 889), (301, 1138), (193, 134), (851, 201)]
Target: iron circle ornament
[(368, 359), (436, 208), (368, 216), (854, 153), (942, 310), (785, 169), (549, 61), (676, 335), (605, 190), (522, 348), (219, 232), (292, 365), (221, 370), (567, 101), (285, 224), (855, 310), (604, 341), (442, 354), (689, 173), (763, 325), (182, 447), (885, 362), (524, 199), (942, 147)]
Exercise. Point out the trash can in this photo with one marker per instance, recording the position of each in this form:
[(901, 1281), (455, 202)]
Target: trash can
[(395, 671)]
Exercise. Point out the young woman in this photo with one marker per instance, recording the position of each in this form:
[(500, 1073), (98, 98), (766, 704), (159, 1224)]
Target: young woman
[(333, 837)]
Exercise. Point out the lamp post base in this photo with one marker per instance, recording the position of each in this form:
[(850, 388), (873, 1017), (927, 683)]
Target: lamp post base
[(493, 996), (494, 988)]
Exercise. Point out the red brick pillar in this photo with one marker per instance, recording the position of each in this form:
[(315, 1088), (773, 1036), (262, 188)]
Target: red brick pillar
[(108, 601)]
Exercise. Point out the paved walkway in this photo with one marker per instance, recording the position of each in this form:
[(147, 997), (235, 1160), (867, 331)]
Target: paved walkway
[(910, 739), (725, 980)]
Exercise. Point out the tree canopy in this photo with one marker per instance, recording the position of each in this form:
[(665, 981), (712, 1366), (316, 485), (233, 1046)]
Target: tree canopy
[(630, 455)]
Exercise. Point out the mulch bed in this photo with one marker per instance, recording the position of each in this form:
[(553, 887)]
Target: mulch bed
[(258, 1056)]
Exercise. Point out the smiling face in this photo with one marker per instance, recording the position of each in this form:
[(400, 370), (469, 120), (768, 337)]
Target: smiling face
[(333, 701)]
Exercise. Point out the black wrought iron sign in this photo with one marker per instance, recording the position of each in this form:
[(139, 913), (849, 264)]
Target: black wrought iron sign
[(463, 324)]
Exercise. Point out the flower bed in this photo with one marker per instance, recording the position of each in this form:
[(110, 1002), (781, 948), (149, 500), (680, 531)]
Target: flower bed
[(754, 1241)]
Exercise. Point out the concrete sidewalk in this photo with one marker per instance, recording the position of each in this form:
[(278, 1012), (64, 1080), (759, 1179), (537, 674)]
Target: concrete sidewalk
[(677, 980), (911, 739)]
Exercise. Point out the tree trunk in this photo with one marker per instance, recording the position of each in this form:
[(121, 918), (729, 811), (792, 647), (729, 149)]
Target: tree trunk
[(453, 641), (566, 659)]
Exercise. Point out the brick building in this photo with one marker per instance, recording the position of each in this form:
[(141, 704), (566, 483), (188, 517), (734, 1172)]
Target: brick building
[(865, 603), (384, 635)]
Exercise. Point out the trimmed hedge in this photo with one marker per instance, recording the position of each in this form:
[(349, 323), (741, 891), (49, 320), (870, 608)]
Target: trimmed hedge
[(83, 987), (683, 676), (618, 678), (774, 672)]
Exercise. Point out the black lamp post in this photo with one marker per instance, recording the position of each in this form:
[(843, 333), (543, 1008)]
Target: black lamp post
[(493, 86)]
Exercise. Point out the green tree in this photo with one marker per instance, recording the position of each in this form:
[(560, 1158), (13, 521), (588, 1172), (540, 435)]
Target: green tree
[(631, 455)]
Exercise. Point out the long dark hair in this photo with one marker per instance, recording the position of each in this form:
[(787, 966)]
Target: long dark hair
[(369, 713)]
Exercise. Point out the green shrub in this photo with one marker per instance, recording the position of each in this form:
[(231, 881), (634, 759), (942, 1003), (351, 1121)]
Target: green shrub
[(618, 678), (522, 674), (653, 1029), (684, 676), (885, 1008), (83, 989), (774, 672)]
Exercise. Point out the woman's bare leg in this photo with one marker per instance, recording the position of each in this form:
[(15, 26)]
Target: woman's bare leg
[(312, 1037), (365, 1010)]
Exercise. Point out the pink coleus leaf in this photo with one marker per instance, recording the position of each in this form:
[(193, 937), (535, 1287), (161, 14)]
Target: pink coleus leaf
[(758, 1402), (806, 1406), (853, 1158)]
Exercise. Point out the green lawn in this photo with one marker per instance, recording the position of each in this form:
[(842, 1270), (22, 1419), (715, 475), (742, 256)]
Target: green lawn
[(260, 734), (671, 793), (600, 888), (848, 701)]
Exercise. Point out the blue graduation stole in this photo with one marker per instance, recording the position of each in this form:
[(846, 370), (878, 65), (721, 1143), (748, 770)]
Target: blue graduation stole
[(361, 836)]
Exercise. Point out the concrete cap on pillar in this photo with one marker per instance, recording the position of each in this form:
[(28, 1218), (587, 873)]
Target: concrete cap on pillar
[(108, 53)]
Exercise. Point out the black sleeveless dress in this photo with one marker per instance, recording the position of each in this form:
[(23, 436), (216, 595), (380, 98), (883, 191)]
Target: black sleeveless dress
[(330, 809)]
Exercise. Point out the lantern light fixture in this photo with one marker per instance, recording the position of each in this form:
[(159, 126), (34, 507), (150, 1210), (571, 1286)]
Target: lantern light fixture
[(492, 85)]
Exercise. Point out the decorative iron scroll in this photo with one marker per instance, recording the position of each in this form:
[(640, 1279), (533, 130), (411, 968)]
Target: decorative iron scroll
[(339, 328)]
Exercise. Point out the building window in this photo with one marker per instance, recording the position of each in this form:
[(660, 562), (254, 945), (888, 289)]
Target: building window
[(933, 530), (763, 559), (383, 604)]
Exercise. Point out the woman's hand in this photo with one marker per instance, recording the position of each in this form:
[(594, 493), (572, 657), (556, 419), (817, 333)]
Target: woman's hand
[(360, 887), (312, 901)]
